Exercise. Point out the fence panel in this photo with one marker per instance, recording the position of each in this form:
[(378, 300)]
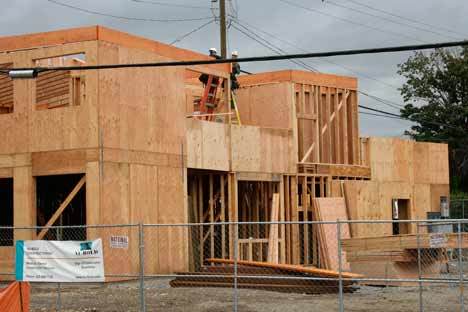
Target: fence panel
[(263, 266)]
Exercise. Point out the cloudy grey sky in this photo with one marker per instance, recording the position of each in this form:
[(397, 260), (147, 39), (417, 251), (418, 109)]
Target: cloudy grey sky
[(296, 26)]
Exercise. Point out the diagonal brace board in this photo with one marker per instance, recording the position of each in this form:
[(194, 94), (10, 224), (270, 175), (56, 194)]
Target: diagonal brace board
[(332, 117), (62, 207)]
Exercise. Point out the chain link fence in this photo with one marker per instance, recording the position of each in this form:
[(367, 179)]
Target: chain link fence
[(263, 266)]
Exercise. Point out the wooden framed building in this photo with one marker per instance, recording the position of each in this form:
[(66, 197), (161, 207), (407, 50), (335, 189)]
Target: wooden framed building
[(128, 146)]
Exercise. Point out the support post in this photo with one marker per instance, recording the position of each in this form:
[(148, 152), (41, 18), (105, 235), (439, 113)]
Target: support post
[(460, 267), (58, 303), (141, 254), (236, 255), (418, 243), (222, 29), (340, 266)]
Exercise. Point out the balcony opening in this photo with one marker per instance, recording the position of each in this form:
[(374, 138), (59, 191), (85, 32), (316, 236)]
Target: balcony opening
[(62, 88)]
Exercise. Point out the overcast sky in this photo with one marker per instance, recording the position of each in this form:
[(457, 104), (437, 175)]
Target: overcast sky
[(317, 26)]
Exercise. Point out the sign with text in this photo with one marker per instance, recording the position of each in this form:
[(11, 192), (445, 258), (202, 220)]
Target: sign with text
[(119, 242), (438, 240), (59, 261)]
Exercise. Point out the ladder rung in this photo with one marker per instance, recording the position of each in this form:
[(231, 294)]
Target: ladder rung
[(214, 85)]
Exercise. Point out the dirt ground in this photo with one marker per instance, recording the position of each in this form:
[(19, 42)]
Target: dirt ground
[(161, 297)]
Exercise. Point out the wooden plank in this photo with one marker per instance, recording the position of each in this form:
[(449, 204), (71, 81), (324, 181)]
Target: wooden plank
[(305, 210), (212, 220), (344, 133), (273, 252), (288, 267), (223, 215), (201, 214), (287, 207), (62, 207), (338, 145), (295, 218), (333, 209), (282, 229)]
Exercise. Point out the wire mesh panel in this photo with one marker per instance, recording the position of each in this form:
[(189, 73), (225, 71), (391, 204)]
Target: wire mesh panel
[(261, 266), (181, 272)]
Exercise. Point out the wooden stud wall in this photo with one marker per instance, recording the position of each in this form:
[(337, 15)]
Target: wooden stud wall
[(327, 125), (6, 92), (301, 241)]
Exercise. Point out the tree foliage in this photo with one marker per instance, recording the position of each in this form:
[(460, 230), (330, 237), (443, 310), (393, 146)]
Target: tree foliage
[(436, 97)]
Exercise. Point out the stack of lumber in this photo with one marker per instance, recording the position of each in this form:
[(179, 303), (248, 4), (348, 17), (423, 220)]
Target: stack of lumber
[(331, 209), (257, 275)]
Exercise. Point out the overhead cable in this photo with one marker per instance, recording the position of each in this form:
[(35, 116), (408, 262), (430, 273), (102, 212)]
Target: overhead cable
[(258, 58), (407, 18), (170, 4), (389, 19), (293, 4), (168, 20), (191, 32)]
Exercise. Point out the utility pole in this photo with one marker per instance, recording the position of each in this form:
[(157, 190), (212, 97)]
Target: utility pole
[(222, 29)]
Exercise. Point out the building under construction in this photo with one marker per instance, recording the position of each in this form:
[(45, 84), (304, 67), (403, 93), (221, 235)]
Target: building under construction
[(162, 145)]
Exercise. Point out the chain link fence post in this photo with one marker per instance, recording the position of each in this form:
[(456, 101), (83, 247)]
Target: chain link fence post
[(236, 255), (58, 304), (418, 245), (340, 266), (460, 267), (141, 253)]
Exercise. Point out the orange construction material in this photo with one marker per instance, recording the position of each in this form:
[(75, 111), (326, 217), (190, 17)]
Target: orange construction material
[(15, 298)]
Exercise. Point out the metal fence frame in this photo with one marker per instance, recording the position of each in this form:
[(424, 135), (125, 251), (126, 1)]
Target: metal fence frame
[(142, 276)]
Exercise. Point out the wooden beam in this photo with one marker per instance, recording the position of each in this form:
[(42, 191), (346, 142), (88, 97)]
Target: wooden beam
[(62, 207), (223, 217), (333, 116), (305, 218), (273, 233), (307, 154), (211, 206)]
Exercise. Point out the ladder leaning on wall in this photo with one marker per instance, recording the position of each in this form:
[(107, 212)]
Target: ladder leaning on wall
[(237, 120)]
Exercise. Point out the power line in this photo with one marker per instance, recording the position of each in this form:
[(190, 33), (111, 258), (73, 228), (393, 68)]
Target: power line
[(191, 32), (169, 4), (409, 119), (388, 19), (350, 21), (270, 45), (382, 115), (278, 52), (126, 17), (363, 75), (257, 58), (406, 18), (384, 101), (390, 103)]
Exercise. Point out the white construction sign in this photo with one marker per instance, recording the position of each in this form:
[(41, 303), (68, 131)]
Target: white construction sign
[(59, 261)]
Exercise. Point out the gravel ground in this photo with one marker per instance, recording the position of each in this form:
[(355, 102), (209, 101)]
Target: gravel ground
[(161, 297)]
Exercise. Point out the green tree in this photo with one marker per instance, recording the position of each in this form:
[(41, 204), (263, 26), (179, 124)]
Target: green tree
[(436, 98)]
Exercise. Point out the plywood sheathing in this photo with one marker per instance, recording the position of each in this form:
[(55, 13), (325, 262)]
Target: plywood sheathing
[(265, 105), (94, 33), (397, 160), (320, 109), (254, 149), (299, 76), (36, 131), (371, 200)]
